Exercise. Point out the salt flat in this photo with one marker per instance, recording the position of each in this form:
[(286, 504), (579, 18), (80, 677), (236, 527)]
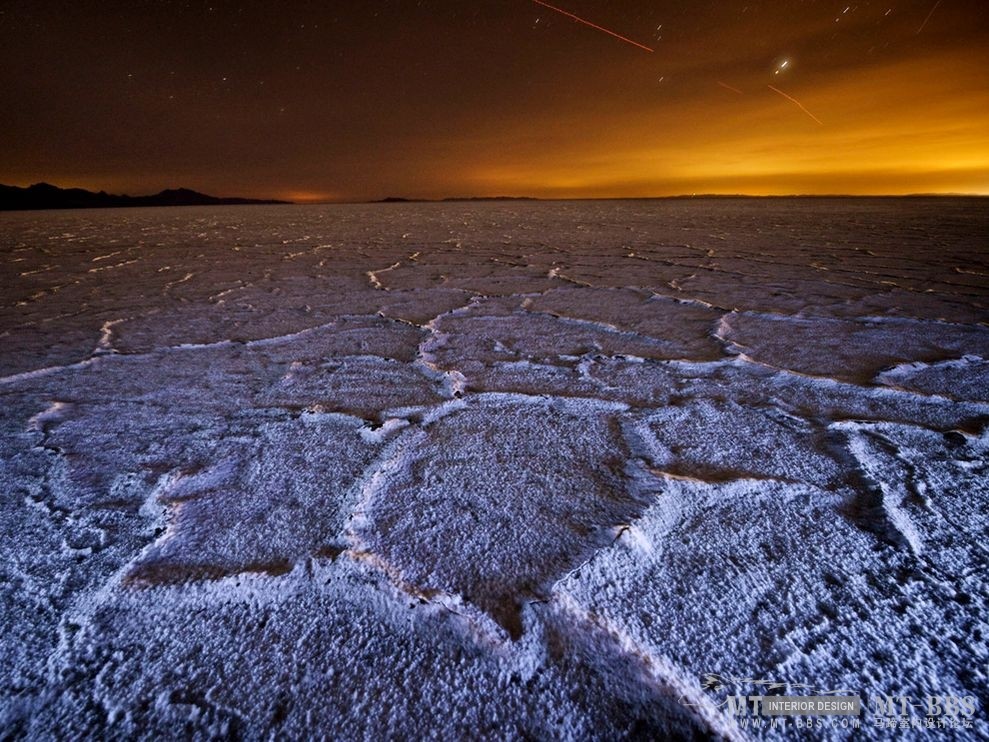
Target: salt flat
[(489, 469)]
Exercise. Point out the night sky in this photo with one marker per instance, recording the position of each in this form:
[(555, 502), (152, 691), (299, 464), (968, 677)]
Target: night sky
[(366, 98)]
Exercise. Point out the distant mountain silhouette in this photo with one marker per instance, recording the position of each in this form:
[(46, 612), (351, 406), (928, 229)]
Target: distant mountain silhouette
[(47, 196)]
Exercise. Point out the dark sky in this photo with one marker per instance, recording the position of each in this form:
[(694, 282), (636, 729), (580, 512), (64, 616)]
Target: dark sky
[(368, 98)]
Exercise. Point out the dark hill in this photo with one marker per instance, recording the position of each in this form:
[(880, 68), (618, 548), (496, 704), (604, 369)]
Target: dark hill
[(47, 196)]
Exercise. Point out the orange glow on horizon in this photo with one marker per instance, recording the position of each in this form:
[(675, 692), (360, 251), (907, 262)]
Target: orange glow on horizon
[(308, 197), (875, 140), (346, 104)]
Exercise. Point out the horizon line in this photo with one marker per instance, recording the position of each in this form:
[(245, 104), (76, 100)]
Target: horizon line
[(676, 196), (503, 197)]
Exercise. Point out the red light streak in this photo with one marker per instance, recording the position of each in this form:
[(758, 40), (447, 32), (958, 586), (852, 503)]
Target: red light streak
[(928, 17), (799, 104), (592, 25)]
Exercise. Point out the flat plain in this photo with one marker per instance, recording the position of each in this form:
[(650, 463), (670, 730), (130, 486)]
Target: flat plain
[(489, 469)]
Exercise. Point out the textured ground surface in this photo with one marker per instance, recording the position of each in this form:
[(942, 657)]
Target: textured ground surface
[(488, 469)]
